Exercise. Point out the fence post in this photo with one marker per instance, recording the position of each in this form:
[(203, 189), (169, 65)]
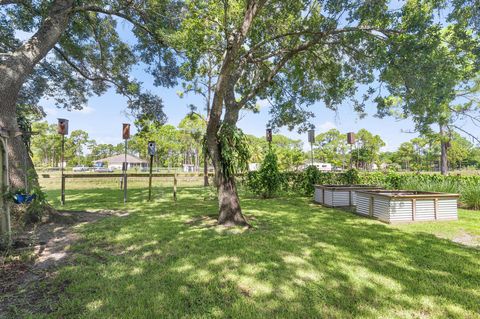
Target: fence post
[(63, 189), (175, 186)]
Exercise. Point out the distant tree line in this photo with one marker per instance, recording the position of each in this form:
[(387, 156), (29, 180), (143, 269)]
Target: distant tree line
[(184, 145)]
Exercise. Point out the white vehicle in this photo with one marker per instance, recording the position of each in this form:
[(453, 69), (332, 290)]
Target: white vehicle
[(80, 169), (322, 167)]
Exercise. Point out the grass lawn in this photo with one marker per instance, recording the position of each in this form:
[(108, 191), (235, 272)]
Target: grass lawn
[(168, 260)]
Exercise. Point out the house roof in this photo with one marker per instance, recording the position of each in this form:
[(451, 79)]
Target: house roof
[(120, 159)]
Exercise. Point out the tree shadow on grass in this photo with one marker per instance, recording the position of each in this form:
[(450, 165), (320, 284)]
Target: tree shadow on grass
[(302, 260)]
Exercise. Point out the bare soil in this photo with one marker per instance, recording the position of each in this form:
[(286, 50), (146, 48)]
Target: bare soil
[(467, 239), (26, 283)]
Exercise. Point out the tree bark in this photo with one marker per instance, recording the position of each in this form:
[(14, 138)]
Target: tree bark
[(229, 205), (18, 158), (14, 71), (205, 170), (444, 152)]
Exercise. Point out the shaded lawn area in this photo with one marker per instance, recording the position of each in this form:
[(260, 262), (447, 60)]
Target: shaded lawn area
[(168, 260)]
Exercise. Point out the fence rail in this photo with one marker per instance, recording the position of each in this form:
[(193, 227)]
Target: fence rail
[(105, 175), (123, 181)]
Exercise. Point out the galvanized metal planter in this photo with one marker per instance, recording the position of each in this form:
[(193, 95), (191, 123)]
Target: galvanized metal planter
[(339, 195), (407, 206)]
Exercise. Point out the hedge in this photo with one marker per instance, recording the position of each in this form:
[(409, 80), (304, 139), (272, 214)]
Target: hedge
[(301, 183)]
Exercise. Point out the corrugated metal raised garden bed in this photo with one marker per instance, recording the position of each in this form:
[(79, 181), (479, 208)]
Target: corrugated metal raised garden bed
[(339, 195), (407, 206)]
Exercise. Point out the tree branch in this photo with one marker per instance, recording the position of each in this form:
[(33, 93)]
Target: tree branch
[(93, 8), (466, 132), (279, 65), (5, 2), (322, 34), (87, 76)]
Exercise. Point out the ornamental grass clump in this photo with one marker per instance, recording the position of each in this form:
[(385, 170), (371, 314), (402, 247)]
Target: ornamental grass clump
[(471, 196)]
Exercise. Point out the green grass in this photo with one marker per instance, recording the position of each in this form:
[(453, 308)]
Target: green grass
[(164, 260)]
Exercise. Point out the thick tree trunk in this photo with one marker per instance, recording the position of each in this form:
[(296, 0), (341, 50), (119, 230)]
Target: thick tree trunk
[(14, 71), (230, 212), (20, 163), (229, 203)]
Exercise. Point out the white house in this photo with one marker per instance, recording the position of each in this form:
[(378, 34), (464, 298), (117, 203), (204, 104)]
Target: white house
[(116, 162)]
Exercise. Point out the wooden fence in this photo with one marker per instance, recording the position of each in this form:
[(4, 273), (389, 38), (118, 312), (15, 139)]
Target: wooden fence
[(123, 183)]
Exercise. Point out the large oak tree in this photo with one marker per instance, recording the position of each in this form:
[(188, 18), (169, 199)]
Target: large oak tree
[(293, 54), (67, 50)]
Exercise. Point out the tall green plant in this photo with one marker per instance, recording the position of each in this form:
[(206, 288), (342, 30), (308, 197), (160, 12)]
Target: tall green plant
[(311, 177), (350, 177), (267, 181)]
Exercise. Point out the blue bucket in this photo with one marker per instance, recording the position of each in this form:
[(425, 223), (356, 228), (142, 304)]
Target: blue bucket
[(23, 198)]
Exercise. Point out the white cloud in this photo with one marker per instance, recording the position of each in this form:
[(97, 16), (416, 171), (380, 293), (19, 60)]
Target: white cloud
[(85, 110), (325, 127)]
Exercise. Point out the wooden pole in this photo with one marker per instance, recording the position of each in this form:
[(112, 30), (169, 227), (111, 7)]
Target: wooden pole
[(150, 179), (63, 164), (125, 175)]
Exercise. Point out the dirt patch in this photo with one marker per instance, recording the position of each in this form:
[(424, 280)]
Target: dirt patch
[(25, 282), (467, 239)]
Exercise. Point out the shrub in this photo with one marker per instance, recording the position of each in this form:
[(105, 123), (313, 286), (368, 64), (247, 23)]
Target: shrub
[(471, 196), (302, 183), (350, 177), (267, 181), (32, 212), (311, 176)]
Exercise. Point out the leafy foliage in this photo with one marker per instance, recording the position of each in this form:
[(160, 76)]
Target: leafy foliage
[(267, 181), (91, 56), (37, 208), (350, 177), (301, 183), (234, 150)]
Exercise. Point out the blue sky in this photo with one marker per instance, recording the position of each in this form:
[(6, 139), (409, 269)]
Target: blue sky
[(103, 116)]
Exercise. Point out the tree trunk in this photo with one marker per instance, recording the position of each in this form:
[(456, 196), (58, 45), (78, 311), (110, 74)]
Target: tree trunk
[(229, 203), (443, 159), (444, 152), (19, 161), (205, 170), (14, 71)]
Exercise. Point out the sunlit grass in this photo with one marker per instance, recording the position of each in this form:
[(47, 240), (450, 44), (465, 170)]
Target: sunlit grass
[(169, 260)]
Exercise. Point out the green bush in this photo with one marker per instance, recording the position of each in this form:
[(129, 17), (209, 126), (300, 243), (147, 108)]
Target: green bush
[(350, 177), (36, 209), (267, 181), (311, 176), (302, 183)]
